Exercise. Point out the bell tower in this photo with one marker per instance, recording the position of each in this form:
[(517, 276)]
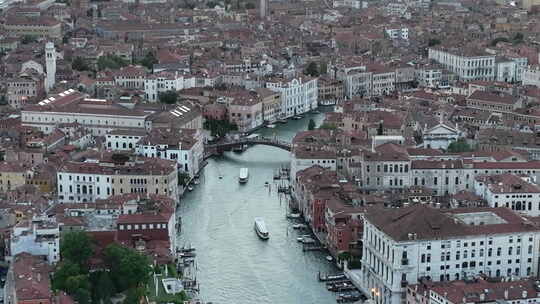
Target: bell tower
[(50, 62)]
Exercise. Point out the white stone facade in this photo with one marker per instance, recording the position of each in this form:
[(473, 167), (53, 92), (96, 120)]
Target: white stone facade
[(103, 180), (298, 96), (531, 75), (397, 33), (156, 84), (39, 237), (50, 60), (466, 67), (440, 136), (388, 265)]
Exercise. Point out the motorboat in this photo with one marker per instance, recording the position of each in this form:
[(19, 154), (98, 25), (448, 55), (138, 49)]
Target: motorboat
[(260, 228), (190, 188), (308, 240), (271, 126), (329, 258), (196, 181), (299, 226), (293, 215), (243, 176)]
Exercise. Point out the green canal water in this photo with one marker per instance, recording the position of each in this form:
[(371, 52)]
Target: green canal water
[(233, 265)]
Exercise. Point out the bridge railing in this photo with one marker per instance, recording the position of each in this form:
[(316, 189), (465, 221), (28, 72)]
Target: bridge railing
[(259, 140)]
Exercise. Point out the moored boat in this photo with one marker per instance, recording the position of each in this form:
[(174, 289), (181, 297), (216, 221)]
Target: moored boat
[(260, 228), (293, 215), (243, 176)]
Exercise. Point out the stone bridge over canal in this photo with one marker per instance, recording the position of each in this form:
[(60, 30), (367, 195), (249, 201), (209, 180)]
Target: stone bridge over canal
[(218, 148)]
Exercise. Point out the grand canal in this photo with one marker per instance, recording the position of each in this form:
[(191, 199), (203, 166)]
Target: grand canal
[(234, 265)]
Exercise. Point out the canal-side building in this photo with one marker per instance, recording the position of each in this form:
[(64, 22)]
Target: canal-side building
[(317, 147), (80, 182), (185, 147), (312, 187), (151, 226), (298, 95), (403, 245), (475, 291)]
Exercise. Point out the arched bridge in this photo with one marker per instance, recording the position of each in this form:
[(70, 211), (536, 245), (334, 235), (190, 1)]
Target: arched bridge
[(218, 148)]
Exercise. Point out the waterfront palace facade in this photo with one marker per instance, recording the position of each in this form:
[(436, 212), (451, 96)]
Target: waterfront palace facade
[(443, 245)]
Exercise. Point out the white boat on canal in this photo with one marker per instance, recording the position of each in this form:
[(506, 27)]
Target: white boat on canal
[(244, 175), (260, 228)]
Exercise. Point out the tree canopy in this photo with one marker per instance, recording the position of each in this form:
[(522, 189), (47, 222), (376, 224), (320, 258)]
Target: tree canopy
[(112, 62), (71, 275), (312, 69), (328, 126), (149, 60), (219, 128), (128, 268), (168, 97), (311, 124), (79, 64), (458, 146), (433, 42), (76, 247)]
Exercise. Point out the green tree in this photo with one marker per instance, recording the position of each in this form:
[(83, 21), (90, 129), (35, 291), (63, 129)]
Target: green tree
[(312, 70), (26, 39), (133, 296), (328, 126), (74, 283), (219, 128), (169, 97), (128, 268), (103, 287), (63, 272), (183, 178), (77, 247), (458, 146), (433, 42), (82, 296), (518, 38), (79, 64), (311, 124), (380, 129), (112, 62), (149, 60)]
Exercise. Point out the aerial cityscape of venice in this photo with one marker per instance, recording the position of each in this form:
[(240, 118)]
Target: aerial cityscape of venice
[(269, 151)]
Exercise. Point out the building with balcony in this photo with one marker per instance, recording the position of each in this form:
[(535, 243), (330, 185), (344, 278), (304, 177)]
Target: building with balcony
[(468, 63), (404, 245)]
